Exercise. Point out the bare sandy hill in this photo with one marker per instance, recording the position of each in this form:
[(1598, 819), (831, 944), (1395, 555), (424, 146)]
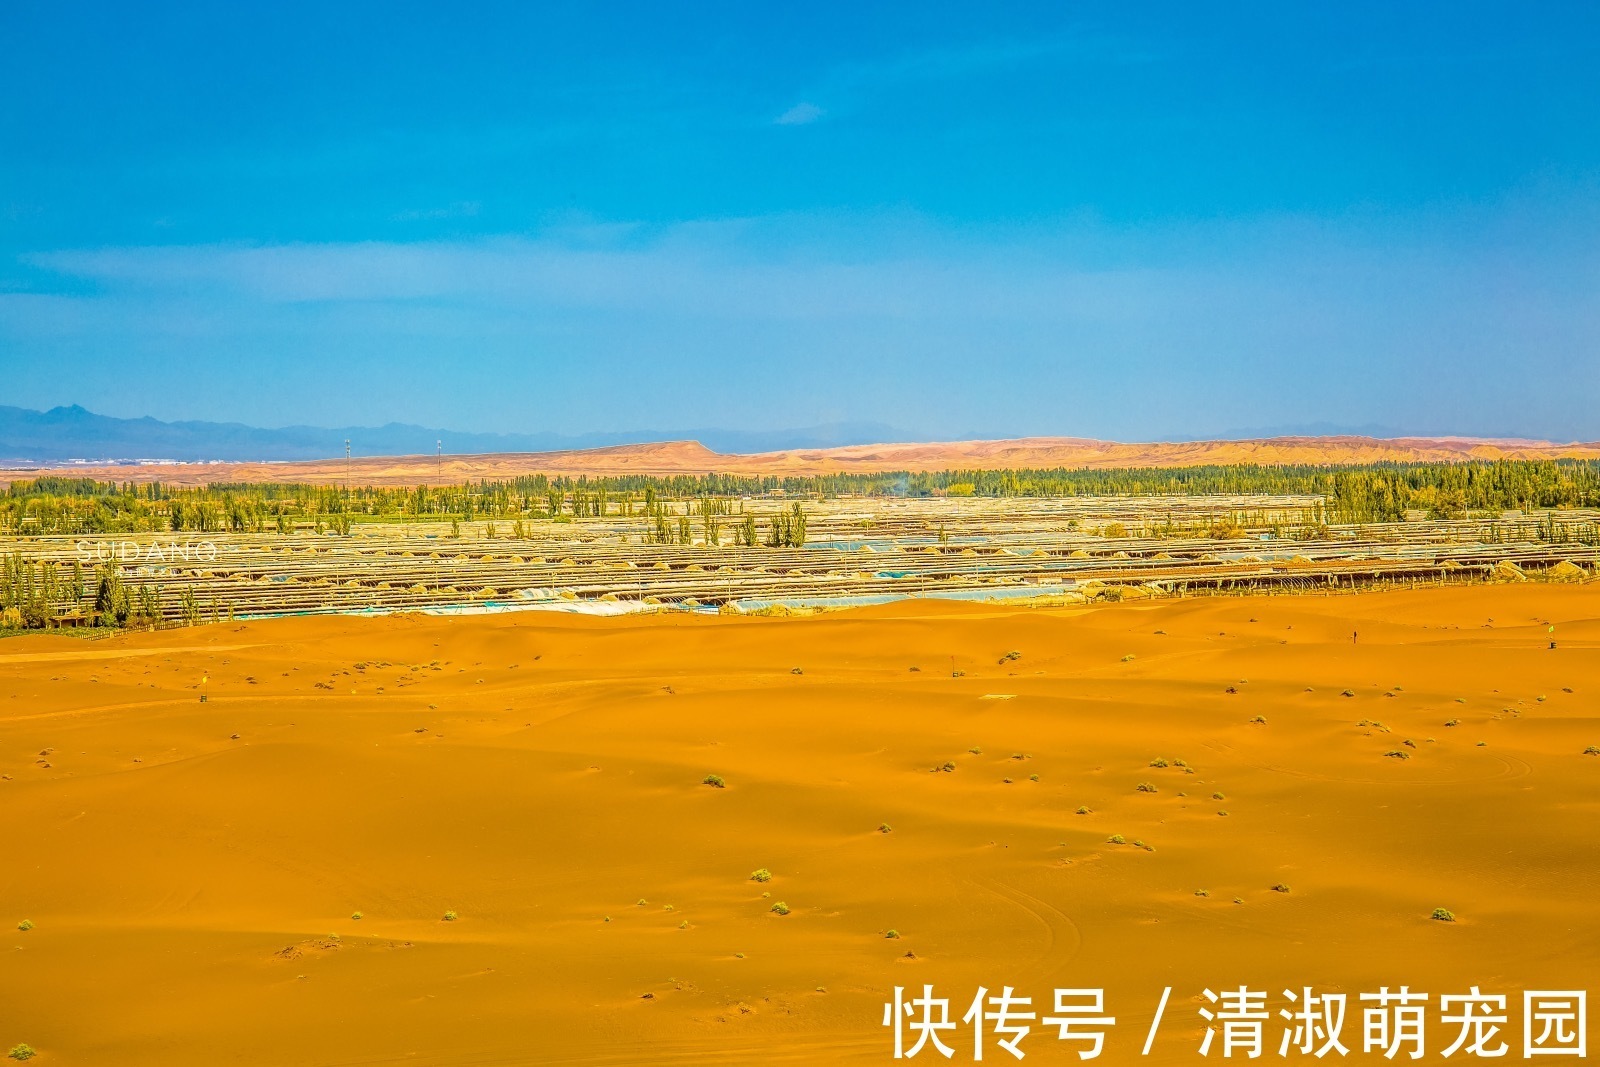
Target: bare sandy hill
[(192, 870), (690, 457)]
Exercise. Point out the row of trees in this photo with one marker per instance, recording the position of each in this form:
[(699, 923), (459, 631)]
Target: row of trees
[(1353, 494), (35, 593)]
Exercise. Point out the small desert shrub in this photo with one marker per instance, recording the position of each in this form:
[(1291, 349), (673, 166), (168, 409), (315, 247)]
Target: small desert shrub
[(1592, 750), (780, 908), (25, 925), (355, 915), (1348, 693), (884, 828), (1280, 888), (1128, 658), (946, 766), (1158, 762), (714, 780), (21, 1052), (1397, 754), (1444, 915), (1201, 893), (684, 925), (738, 955), (1116, 839), (1218, 796), (1082, 810), (762, 875), (1033, 777), (1012, 655), (892, 934), (1222, 813), (450, 916), (975, 750), (1453, 722), (1145, 787), (1259, 720)]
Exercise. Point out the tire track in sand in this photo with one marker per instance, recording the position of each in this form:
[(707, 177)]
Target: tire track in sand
[(1063, 939)]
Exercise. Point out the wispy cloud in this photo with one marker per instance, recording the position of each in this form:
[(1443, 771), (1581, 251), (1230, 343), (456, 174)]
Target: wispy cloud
[(462, 209), (802, 114), (1202, 330), (848, 86)]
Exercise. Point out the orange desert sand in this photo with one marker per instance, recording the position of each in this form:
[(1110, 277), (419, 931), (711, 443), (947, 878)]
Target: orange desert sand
[(192, 869), (691, 457)]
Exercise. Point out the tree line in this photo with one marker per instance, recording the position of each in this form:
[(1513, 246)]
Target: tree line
[(1372, 493)]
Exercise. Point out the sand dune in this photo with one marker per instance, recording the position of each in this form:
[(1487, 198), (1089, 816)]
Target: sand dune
[(192, 868), (690, 457)]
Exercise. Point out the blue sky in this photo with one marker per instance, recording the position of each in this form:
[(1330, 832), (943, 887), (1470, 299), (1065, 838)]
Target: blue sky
[(1125, 221)]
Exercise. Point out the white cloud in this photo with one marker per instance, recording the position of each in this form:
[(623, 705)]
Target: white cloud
[(1181, 332), (802, 114)]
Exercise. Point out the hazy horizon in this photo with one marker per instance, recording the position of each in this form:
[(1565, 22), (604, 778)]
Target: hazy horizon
[(72, 435)]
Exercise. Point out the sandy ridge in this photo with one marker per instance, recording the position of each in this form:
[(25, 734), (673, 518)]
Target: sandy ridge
[(691, 457)]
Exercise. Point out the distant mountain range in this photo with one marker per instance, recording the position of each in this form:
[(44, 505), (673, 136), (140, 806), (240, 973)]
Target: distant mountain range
[(73, 434), (74, 438)]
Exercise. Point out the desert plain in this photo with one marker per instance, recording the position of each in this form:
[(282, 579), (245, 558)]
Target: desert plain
[(192, 869)]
